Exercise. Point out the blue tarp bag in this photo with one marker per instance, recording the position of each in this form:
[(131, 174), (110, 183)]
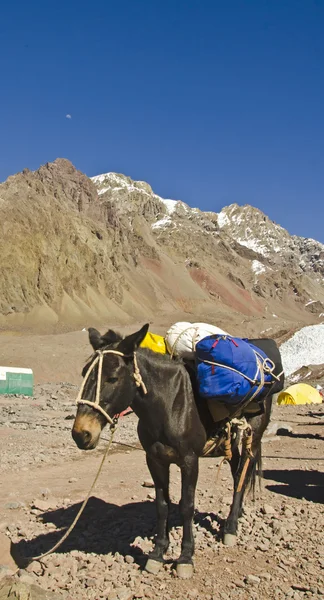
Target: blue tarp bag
[(228, 368)]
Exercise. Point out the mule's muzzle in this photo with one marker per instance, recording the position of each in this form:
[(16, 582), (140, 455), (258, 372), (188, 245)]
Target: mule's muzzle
[(86, 430), (84, 439)]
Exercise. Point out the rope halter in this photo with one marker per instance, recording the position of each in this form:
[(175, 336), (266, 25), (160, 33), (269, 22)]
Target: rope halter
[(99, 359)]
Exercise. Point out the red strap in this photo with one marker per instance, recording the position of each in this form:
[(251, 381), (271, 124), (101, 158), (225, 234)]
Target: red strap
[(234, 342), (124, 412), (215, 343)]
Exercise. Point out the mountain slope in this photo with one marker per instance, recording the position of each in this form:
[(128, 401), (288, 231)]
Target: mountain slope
[(79, 251)]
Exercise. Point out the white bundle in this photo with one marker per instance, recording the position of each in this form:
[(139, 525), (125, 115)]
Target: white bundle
[(182, 337)]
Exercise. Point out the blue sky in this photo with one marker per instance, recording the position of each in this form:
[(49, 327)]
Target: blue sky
[(211, 102)]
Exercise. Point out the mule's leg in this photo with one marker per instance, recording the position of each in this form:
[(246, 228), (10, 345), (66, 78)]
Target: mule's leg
[(258, 425), (189, 476), (160, 475), (241, 476)]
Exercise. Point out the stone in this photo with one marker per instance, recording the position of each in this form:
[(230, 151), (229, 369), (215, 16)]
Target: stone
[(239, 584), (148, 483), (25, 578), (282, 534), (276, 525), (44, 505), (34, 567), (4, 571), (193, 593), (267, 509), (124, 594), (14, 505), (227, 500), (15, 589), (6, 559), (284, 429), (278, 429), (253, 579)]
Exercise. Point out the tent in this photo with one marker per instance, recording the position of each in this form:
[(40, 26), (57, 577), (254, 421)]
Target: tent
[(300, 393)]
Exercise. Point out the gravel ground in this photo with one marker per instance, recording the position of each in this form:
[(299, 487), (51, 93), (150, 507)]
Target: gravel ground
[(280, 550)]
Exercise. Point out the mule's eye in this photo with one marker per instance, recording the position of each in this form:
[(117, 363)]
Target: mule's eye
[(112, 379)]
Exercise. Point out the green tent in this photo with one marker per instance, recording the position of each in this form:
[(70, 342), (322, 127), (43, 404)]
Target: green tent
[(16, 381)]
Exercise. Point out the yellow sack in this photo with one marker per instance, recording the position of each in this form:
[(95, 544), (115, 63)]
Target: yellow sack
[(154, 342)]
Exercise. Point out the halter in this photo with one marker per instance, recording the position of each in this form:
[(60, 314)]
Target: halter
[(99, 359)]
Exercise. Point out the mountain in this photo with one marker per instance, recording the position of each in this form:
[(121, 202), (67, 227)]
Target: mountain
[(78, 251)]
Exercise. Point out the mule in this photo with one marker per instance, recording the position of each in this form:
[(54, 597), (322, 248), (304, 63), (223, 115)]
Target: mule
[(173, 427)]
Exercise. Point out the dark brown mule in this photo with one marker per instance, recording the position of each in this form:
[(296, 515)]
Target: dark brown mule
[(170, 429)]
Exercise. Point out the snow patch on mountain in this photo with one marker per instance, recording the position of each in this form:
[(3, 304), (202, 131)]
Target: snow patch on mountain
[(258, 267), (162, 222), (222, 219), (117, 182), (255, 245), (170, 205)]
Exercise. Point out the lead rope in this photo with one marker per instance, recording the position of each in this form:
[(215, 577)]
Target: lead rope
[(28, 559), (113, 426)]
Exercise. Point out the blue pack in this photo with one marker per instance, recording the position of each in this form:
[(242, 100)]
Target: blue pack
[(235, 374)]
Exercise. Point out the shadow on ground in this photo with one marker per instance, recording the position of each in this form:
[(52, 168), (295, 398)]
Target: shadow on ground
[(297, 483), (105, 528), (303, 436)]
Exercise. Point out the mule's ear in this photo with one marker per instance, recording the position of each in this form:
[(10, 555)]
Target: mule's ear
[(130, 343), (94, 338)]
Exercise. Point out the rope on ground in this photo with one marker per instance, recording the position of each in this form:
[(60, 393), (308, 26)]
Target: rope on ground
[(29, 559)]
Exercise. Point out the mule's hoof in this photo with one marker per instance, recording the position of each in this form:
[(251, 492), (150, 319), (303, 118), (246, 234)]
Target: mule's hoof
[(153, 566), (185, 571), (229, 539)]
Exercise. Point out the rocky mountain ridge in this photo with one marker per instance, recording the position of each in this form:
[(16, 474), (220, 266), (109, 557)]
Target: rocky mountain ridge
[(79, 251)]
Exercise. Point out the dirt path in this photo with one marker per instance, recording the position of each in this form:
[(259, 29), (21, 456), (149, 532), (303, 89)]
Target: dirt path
[(44, 477)]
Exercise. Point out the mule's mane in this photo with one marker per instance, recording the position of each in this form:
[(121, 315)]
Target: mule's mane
[(109, 338), (110, 341), (159, 356)]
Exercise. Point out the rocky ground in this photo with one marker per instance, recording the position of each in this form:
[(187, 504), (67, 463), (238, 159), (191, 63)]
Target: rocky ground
[(280, 550)]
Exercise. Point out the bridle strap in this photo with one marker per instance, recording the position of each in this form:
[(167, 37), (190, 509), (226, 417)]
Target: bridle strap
[(99, 359), (137, 376)]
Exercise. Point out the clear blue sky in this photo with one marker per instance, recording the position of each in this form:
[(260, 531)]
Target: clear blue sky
[(211, 102)]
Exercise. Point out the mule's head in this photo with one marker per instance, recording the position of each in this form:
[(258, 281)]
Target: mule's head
[(117, 384)]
